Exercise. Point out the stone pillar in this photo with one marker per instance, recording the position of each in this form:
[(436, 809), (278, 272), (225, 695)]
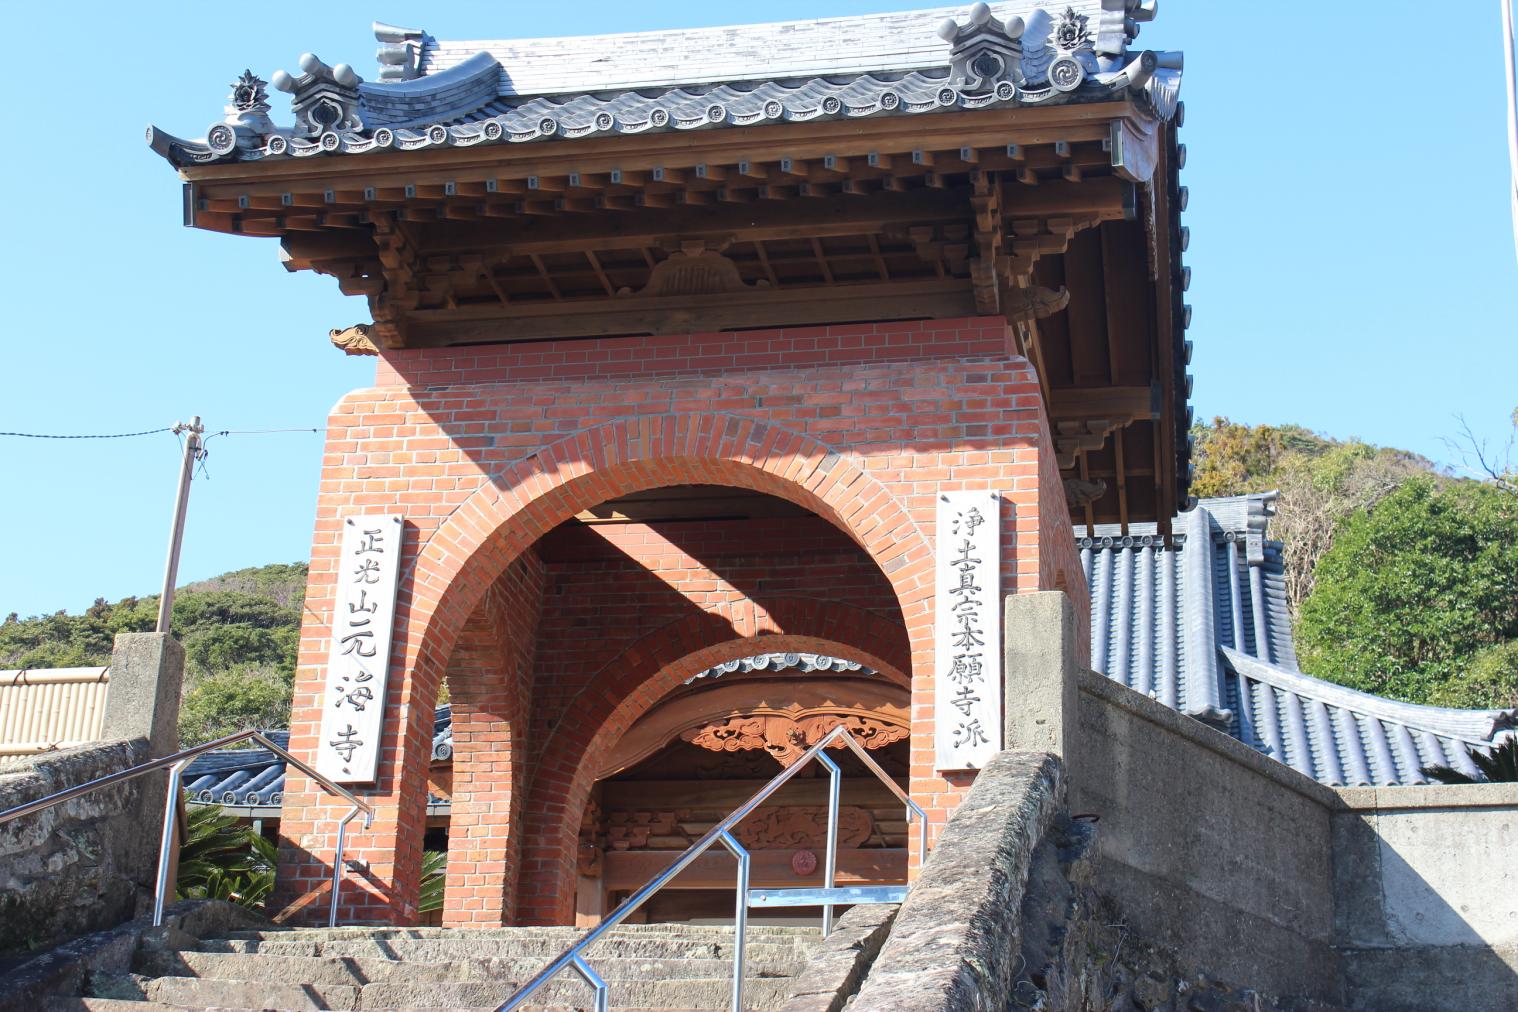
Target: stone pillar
[(147, 674), (1039, 661)]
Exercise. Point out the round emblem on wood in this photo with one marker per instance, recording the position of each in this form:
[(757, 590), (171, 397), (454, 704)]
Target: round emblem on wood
[(803, 863)]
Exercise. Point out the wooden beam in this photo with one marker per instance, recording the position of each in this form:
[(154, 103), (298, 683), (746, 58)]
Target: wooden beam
[(1131, 402), (792, 306)]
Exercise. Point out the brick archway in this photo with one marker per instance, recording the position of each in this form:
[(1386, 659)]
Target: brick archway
[(504, 800), (636, 682), (456, 565)]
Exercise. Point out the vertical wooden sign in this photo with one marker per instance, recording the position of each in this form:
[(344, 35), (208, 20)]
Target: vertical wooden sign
[(967, 714), (358, 660)]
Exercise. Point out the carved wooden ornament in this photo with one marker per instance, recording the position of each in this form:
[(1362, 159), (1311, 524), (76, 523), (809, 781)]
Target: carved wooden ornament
[(353, 340), (805, 826), (786, 739)]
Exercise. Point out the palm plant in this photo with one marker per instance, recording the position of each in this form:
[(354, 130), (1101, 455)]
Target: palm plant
[(434, 877), (1499, 765), (222, 860)]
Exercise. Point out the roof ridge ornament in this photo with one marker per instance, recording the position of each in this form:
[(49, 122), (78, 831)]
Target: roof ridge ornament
[(400, 51), (247, 120), (984, 51), (325, 99)]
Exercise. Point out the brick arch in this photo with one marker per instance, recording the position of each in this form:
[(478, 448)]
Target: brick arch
[(503, 518), (566, 773), (507, 515)]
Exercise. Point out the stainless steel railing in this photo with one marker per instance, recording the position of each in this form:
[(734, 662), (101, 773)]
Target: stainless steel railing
[(573, 957), (176, 764)]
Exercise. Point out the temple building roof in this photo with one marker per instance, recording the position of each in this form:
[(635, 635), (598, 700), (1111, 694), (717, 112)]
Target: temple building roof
[(1203, 626), (432, 93)]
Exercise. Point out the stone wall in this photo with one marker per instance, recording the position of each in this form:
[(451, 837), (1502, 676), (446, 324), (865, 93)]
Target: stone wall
[(65, 871)]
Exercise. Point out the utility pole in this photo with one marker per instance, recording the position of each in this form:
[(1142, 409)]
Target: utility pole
[(192, 445)]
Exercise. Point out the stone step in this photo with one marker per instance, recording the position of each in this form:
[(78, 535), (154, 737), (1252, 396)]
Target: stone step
[(370, 969), (435, 950), (124, 1005), (195, 992), (694, 993), (209, 993), (673, 930)]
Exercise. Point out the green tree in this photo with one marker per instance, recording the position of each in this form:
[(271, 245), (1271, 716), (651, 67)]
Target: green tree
[(234, 700), (1414, 589), (1489, 680), (1321, 481)]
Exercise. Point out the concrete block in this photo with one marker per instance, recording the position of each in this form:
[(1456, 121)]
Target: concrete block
[(147, 677), (1038, 670)]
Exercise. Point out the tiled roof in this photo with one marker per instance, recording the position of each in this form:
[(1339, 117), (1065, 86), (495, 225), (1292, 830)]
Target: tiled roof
[(862, 44), (1202, 625), (255, 777), (439, 94), (804, 663)]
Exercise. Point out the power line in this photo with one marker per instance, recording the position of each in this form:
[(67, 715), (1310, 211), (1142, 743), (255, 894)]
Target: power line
[(108, 435), (260, 432)]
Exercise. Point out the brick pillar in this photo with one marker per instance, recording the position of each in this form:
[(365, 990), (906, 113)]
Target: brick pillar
[(489, 680)]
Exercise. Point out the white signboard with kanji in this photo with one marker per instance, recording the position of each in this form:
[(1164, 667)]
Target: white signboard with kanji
[(967, 638), (358, 659)]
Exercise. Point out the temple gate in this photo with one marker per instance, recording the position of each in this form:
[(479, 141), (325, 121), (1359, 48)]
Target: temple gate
[(678, 368)]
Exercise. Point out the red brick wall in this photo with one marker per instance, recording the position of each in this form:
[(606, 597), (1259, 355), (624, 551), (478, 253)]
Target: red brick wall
[(490, 687), (486, 450)]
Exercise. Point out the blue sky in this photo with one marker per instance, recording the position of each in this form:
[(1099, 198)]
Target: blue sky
[(1351, 245)]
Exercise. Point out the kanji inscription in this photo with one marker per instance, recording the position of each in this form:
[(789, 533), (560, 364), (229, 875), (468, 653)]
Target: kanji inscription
[(353, 704), (967, 642)]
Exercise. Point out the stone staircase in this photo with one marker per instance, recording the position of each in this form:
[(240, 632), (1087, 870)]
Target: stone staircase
[(654, 966)]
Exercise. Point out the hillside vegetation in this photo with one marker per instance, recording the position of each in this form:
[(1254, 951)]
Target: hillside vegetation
[(240, 632), (1402, 579)]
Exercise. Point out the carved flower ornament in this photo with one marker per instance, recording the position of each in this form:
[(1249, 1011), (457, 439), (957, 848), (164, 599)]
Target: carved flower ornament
[(1072, 33), (248, 92)]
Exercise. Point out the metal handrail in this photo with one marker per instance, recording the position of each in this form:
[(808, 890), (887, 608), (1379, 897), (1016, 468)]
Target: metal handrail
[(178, 761), (572, 957)]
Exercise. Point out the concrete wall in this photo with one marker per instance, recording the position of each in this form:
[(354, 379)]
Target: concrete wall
[(1426, 894), (1207, 846), (1387, 898)]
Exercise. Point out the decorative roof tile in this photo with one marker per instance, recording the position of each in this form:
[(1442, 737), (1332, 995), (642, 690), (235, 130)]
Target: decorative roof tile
[(439, 94), (803, 663)]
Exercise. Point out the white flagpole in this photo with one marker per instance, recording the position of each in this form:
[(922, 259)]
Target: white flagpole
[(1512, 109)]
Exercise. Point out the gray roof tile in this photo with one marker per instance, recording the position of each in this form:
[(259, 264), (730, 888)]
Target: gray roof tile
[(1202, 625), (497, 92)]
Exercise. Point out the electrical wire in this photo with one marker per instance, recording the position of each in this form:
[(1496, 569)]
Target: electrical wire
[(253, 432), (108, 435)]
